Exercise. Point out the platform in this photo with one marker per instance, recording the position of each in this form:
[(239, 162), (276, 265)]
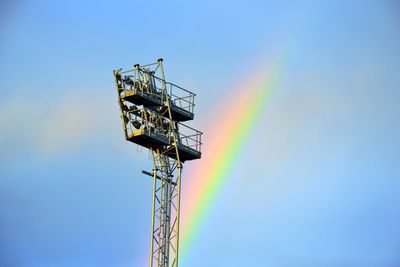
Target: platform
[(154, 101), (178, 114), (146, 138), (138, 97)]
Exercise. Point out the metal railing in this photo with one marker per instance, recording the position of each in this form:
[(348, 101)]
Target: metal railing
[(142, 118), (181, 97), (146, 83), (141, 87), (190, 137)]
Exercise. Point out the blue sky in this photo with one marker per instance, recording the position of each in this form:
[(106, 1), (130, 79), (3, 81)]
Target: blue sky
[(317, 184)]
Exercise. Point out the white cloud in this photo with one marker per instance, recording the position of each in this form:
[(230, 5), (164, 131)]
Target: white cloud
[(51, 126), (70, 123)]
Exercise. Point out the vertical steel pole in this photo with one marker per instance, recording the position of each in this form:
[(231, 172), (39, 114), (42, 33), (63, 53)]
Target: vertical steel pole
[(168, 207), (153, 206), (178, 210), (176, 138), (164, 94)]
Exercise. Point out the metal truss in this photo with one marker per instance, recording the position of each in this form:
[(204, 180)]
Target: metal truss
[(152, 111), (164, 246)]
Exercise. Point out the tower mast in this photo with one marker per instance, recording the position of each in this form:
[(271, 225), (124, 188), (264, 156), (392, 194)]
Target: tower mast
[(152, 111)]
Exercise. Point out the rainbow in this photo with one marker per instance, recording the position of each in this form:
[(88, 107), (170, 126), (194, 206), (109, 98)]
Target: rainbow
[(227, 136)]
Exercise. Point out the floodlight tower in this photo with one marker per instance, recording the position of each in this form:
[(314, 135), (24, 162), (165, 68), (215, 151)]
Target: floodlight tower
[(152, 112)]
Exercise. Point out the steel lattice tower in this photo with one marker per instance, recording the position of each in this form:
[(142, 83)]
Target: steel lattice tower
[(152, 112)]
